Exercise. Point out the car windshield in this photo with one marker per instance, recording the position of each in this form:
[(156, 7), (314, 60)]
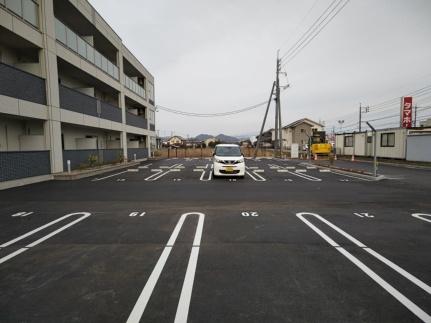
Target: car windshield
[(228, 151)]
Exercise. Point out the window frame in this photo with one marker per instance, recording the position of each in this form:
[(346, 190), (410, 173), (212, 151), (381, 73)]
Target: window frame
[(385, 139), (345, 141)]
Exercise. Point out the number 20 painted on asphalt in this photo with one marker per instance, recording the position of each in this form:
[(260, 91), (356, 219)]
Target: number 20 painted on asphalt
[(250, 214)]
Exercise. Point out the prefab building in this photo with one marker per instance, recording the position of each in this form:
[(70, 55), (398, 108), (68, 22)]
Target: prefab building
[(391, 143)]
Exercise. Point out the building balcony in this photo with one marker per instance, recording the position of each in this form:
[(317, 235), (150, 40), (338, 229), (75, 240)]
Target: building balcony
[(134, 87), (78, 102), (71, 40), (26, 9), (136, 121), (21, 85)]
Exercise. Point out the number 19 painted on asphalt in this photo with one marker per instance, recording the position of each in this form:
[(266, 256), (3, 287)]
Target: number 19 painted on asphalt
[(248, 213)]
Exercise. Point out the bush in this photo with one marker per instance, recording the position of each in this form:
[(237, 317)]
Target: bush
[(92, 160), (120, 158)]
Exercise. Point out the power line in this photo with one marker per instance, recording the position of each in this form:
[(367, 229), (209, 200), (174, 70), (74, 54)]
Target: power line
[(309, 30), (210, 115), (301, 22), (306, 41)]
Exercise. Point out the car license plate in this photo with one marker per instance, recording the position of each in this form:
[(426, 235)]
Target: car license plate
[(229, 169)]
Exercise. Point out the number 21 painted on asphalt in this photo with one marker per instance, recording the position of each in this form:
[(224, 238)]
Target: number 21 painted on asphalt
[(250, 214)]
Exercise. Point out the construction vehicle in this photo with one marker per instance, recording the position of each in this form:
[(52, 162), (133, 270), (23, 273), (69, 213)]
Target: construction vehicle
[(318, 143)]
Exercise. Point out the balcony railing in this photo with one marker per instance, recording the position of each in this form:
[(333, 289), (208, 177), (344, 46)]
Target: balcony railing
[(136, 121), (21, 85), (26, 9), (71, 40), (134, 86), (78, 102)]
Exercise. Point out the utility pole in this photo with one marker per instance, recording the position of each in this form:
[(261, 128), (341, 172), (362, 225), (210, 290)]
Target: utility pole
[(278, 134), (360, 116), (416, 110), (264, 121)]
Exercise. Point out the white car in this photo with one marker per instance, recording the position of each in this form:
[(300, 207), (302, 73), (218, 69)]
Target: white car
[(228, 161)]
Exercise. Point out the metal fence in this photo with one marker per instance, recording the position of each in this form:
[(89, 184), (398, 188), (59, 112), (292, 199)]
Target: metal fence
[(140, 153), (21, 164), (79, 102), (21, 85), (81, 158)]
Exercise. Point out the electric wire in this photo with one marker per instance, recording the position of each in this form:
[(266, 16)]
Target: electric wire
[(306, 41), (209, 115)]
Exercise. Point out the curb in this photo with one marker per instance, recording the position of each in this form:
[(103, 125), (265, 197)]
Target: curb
[(410, 166), (24, 181), (351, 172), (74, 175)]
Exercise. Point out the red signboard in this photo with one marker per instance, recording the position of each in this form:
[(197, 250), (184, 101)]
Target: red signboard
[(407, 112)]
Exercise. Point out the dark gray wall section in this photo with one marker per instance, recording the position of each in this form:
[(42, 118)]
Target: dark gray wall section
[(80, 157), (78, 102), (140, 153), (152, 127), (136, 121), (21, 85), (21, 164), (74, 101), (419, 148)]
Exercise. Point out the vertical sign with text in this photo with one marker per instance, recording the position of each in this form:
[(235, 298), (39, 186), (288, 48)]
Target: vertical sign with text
[(406, 111)]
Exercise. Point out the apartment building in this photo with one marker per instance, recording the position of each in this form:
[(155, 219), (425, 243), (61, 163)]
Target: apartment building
[(69, 89)]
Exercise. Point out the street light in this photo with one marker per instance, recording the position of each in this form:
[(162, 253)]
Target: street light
[(340, 122)]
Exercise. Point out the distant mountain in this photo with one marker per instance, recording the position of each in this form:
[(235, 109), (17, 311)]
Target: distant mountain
[(221, 137), (227, 139), (203, 136)]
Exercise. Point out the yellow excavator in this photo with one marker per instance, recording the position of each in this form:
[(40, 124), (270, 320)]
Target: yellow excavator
[(318, 143)]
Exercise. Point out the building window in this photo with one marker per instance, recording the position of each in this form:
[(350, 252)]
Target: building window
[(348, 141), (302, 130), (387, 139), (369, 139)]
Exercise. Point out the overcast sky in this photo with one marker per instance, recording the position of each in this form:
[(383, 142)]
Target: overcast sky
[(215, 56)]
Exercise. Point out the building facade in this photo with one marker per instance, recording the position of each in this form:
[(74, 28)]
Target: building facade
[(69, 90), (395, 143), (297, 132)]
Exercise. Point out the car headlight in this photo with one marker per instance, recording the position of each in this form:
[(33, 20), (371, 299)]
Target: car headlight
[(239, 161), (218, 161)]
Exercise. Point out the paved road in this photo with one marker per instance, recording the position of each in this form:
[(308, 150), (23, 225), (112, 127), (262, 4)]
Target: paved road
[(165, 241)]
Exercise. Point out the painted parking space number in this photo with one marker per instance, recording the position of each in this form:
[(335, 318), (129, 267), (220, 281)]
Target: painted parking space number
[(137, 213), (250, 213)]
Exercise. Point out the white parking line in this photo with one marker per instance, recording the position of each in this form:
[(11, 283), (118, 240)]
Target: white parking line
[(161, 173), (102, 178), (186, 291), (305, 176), (145, 166), (256, 177), (390, 289), (46, 237), (420, 216), (6, 244), (350, 176), (202, 178)]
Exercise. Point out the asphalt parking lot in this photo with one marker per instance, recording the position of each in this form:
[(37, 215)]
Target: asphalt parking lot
[(166, 242)]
